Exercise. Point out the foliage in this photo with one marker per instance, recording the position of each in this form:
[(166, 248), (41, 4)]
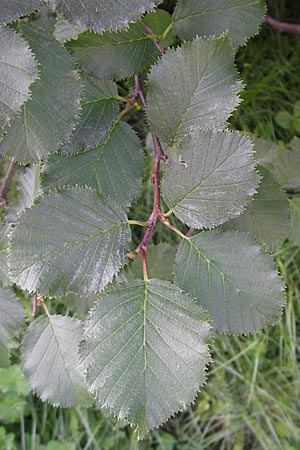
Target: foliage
[(144, 345)]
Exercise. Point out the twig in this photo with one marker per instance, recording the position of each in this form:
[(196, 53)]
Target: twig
[(282, 27), (5, 184), (155, 40)]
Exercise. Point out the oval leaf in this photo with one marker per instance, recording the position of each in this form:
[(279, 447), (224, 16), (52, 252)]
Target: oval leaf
[(212, 178), (232, 278), (193, 86), (50, 361), (69, 241), (144, 351)]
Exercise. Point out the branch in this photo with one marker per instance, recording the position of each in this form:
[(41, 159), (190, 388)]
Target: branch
[(5, 184), (151, 33), (282, 27)]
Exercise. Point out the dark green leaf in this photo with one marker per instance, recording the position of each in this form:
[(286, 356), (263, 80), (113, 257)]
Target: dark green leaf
[(11, 320), (144, 351), (48, 117), (50, 360), (113, 168), (193, 86), (232, 278), (12, 9), (69, 241), (240, 17), (294, 235), (210, 178)]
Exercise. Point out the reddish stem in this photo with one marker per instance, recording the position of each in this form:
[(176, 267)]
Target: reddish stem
[(282, 27), (156, 41)]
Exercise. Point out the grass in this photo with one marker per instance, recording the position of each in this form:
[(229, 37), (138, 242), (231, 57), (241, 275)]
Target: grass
[(252, 400)]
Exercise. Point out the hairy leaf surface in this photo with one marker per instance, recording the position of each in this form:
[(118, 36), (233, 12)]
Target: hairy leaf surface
[(210, 178), (72, 240), (28, 179), (4, 231), (100, 15), (232, 278), (294, 234), (240, 17), (113, 167), (12, 9), (193, 86), (50, 361), (99, 110), (11, 320), (18, 69), (144, 351), (48, 117)]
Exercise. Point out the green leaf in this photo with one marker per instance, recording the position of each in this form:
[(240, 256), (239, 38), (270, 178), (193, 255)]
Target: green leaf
[(12, 380), (211, 179), (193, 86), (99, 110), (72, 240), (240, 17), (286, 166), (18, 69), (284, 119), (113, 168), (267, 217), (11, 320), (4, 232), (294, 235), (114, 55), (159, 21), (49, 116), (78, 303), (50, 360), (28, 179), (144, 351), (265, 151), (100, 15), (64, 31), (232, 278), (10, 10)]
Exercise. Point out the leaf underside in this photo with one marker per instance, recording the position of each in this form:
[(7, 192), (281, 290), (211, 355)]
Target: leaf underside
[(240, 17), (47, 119), (231, 278), (144, 351), (267, 216), (50, 360), (18, 69), (12, 9), (192, 87), (72, 240), (11, 320), (210, 178), (113, 168)]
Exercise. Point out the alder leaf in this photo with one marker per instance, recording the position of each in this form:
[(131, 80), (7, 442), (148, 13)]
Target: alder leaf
[(50, 361), (210, 178), (267, 216), (72, 240), (12, 9), (240, 17), (114, 55), (100, 15), (4, 232), (47, 119), (294, 234), (145, 351), (193, 86), (18, 69), (11, 320), (232, 278), (99, 110), (113, 168)]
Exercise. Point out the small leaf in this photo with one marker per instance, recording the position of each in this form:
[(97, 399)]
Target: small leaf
[(265, 151), (10, 10), (65, 31), (114, 55), (232, 278), (267, 216), (99, 110), (100, 15), (49, 116), (113, 168), (240, 17), (11, 320), (286, 167), (4, 231), (144, 351), (69, 241), (191, 87), (212, 178), (50, 360), (28, 179), (18, 70), (294, 235)]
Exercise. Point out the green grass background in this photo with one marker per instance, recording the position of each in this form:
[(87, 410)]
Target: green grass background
[(252, 399)]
